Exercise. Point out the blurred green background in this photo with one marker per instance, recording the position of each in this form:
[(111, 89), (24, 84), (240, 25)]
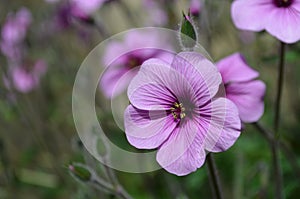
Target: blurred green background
[(38, 139)]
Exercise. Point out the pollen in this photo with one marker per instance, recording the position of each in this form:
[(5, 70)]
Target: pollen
[(177, 111)]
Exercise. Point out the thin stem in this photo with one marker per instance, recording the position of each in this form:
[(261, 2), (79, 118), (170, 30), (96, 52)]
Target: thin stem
[(285, 149), (275, 145), (279, 88), (213, 173)]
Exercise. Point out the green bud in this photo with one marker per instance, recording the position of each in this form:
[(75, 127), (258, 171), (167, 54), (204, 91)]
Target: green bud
[(80, 172), (187, 33)]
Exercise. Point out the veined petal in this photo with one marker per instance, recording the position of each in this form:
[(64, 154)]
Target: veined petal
[(147, 129), (251, 14), (234, 69), (248, 97), (222, 125), (284, 24), (201, 74), (183, 152), (151, 88)]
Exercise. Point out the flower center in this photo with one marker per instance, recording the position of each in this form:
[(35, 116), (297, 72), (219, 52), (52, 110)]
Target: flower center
[(283, 3), (134, 61), (178, 111)]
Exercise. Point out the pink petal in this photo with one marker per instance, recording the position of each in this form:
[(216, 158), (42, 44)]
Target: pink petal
[(115, 80), (223, 127), (115, 53), (149, 89), (147, 129), (284, 24), (251, 14), (234, 69), (183, 152), (200, 73), (248, 97)]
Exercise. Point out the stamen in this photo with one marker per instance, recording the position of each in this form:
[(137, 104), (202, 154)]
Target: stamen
[(177, 111)]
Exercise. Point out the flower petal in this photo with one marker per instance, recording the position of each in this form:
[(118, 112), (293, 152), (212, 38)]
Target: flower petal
[(248, 97), (284, 24), (150, 88), (251, 14), (115, 80), (183, 152), (222, 127), (200, 73), (147, 129), (234, 69)]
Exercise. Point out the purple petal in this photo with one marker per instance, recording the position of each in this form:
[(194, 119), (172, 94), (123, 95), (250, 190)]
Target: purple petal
[(183, 152), (248, 97), (284, 24), (150, 88), (201, 74), (234, 69), (147, 129), (251, 14), (114, 54), (23, 81), (115, 80), (222, 127)]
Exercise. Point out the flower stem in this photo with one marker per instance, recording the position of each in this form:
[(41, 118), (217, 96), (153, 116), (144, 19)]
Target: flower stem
[(269, 135), (213, 174), (279, 88), (275, 144)]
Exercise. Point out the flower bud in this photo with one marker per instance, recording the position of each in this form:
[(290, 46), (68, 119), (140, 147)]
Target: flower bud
[(80, 172), (187, 33)]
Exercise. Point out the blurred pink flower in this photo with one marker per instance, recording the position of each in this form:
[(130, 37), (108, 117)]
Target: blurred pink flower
[(195, 7), (14, 31), (173, 109), (242, 88), (157, 16), (82, 8), (25, 79), (123, 57), (15, 28), (281, 18)]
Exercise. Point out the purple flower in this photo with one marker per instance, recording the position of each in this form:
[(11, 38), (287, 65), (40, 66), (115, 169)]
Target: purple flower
[(25, 79), (156, 15), (195, 7), (83, 8), (242, 88), (173, 109), (281, 18), (123, 57), (14, 31)]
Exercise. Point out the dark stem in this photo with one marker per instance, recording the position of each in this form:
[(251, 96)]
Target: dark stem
[(282, 145), (275, 144), (279, 88), (213, 173)]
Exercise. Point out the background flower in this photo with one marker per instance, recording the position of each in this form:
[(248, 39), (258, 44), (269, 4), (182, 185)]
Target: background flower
[(14, 32), (26, 78), (242, 88), (281, 18), (172, 109), (123, 57)]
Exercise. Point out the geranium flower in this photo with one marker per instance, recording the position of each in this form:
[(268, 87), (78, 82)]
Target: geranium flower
[(242, 88), (281, 18), (122, 57), (173, 109), (24, 79), (14, 31)]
